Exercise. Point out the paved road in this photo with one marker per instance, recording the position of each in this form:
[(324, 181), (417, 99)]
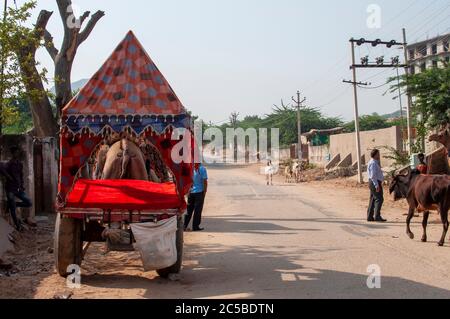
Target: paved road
[(279, 242)]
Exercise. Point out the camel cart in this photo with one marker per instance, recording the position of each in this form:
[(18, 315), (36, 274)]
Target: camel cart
[(128, 97)]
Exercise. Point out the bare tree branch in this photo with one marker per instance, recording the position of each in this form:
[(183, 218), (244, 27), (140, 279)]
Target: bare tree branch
[(67, 18), (84, 17), (41, 23), (63, 6), (90, 26), (50, 46)]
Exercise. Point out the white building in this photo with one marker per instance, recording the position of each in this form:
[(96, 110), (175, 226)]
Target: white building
[(429, 53)]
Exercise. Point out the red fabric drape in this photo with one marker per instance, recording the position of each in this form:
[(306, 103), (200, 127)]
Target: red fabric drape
[(123, 195)]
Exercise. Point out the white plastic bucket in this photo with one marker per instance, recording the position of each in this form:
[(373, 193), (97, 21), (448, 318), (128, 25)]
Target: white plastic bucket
[(156, 242)]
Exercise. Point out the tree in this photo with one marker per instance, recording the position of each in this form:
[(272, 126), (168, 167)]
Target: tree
[(369, 123), (431, 92), (63, 58), (23, 122), (20, 43), (21, 77), (284, 117)]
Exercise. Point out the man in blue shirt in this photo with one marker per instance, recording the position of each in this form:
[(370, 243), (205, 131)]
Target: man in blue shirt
[(197, 197), (376, 179)]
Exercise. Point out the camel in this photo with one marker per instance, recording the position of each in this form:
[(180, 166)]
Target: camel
[(124, 160), (442, 137)]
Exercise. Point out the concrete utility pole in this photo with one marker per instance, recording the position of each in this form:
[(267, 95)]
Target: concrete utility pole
[(401, 104), (365, 63), (357, 132), (409, 106), (299, 103), (234, 121)]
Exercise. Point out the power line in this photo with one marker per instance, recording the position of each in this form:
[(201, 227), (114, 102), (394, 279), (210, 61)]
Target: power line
[(372, 87), (431, 18), (395, 18), (342, 60), (339, 62), (440, 22), (334, 99)]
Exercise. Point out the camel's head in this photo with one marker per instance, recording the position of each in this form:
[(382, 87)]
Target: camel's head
[(126, 156), (443, 136)]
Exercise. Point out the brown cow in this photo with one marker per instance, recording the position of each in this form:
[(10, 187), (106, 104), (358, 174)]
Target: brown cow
[(424, 193)]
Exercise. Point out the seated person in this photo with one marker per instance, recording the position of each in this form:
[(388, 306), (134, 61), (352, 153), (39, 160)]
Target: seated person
[(422, 167)]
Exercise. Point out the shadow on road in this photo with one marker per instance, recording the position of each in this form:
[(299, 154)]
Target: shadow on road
[(249, 225), (213, 271)]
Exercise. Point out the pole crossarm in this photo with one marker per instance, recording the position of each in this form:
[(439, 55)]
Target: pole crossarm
[(357, 83), (377, 42), (366, 66)]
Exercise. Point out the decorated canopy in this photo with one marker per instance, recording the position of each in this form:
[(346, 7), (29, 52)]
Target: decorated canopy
[(127, 95)]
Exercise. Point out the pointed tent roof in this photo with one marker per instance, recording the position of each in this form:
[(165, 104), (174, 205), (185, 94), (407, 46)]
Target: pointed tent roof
[(128, 83)]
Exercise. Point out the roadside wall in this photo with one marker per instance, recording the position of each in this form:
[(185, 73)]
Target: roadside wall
[(285, 154), (319, 155), (46, 174), (345, 144)]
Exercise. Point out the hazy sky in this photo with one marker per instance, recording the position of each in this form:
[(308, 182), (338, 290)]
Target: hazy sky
[(245, 55)]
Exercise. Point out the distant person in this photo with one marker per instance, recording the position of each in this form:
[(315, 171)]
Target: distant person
[(422, 167), (197, 198), (14, 186), (269, 173), (376, 179)]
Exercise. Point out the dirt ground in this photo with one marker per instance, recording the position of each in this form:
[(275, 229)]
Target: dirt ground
[(120, 275), (32, 261)]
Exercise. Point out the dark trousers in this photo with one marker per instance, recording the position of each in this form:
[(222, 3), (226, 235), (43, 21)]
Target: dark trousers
[(376, 201), (12, 205), (195, 207)]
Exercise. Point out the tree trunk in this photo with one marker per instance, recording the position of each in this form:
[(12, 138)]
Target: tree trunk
[(63, 86), (41, 109)]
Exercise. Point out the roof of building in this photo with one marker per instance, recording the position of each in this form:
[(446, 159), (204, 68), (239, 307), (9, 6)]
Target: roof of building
[(435, 39), (311, 134)]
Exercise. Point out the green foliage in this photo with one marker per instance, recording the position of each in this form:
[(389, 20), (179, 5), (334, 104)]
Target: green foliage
[(15, 39), (400, 159), (431, 92), (23, 122), (285, 118), (369, 123)]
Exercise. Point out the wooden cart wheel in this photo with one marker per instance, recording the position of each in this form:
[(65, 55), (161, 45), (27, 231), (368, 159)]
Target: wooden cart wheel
[(176, 268), (68, 244)]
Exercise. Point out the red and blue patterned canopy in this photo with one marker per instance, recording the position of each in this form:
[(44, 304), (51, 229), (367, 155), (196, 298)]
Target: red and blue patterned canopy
[(128, 83)]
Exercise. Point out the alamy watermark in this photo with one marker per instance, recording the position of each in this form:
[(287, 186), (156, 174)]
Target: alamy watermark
[(73, 280), (374, 279), (73, 19), (235, 145), (374, 18)]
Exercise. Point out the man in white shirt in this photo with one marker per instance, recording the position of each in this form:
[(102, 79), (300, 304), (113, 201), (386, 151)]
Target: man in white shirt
[(376, 179)]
